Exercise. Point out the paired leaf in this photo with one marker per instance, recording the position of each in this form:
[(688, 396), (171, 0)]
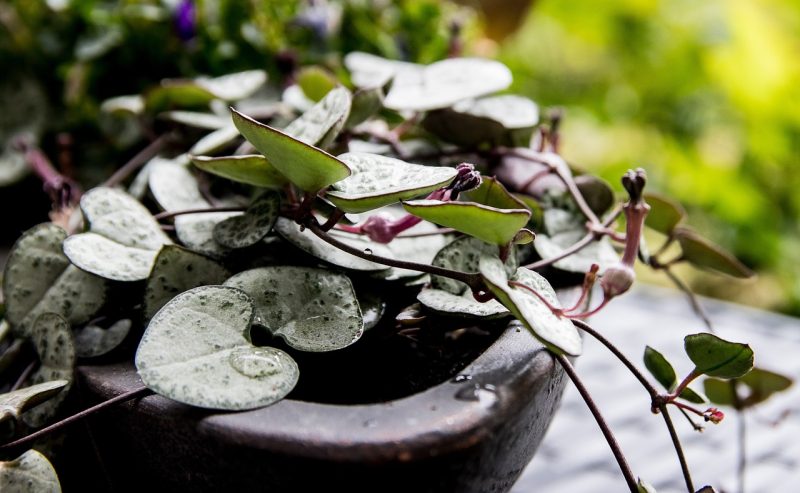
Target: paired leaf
[(14, 403), (665, 214), (246, 230), (371, 71), (378, 181), (39, 278), (555, 332), (309, 168), (52, 338), (123, 241), (717, 357), (660, 368), (702, 253), (464, 255), (445, 83), (31, 472), (250, 169), (313, 245), (490, 224), (321, 123), (760, 385), (236, 86), (463, 305), (177, 270), (311, 309), (196, 351), (92, 341)]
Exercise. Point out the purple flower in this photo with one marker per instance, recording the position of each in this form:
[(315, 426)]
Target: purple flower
[(186, 19)]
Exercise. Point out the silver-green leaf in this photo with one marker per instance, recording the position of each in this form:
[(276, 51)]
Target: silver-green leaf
[(92, 341), (322, 122), (311, 309), (246, 230), (31, 472), (14, 403), (196, 351)]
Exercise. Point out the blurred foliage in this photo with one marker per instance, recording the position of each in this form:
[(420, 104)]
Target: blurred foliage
[(85, 51), (704, 95)]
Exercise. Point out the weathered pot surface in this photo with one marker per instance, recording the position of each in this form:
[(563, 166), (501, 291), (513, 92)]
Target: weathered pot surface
[(472, 433)]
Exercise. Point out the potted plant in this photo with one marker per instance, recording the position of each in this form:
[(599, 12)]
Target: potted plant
[(412, 213)]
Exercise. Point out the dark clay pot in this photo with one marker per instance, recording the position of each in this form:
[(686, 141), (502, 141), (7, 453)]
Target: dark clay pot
[(463, 435)]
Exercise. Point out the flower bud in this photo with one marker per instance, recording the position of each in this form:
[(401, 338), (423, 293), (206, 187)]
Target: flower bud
[(617, 280), (466, 178), (714, 415), (379, 228)]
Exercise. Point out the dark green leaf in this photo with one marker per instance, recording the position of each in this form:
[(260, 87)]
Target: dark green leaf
[(692, 396), (720, 392), (762, 384), (717, 357), (665, 214), (660, 368), (702, 253)]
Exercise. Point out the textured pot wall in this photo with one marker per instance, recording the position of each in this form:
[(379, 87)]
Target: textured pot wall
[(475, 435)]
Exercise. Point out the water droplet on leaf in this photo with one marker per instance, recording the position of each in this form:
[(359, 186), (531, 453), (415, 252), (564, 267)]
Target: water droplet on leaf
[(256, 362)]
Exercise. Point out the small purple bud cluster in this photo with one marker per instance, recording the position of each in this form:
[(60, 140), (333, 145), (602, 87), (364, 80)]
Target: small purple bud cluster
[(467, 178)]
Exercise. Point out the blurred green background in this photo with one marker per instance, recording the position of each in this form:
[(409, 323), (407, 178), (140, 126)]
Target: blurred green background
[(704, 95)]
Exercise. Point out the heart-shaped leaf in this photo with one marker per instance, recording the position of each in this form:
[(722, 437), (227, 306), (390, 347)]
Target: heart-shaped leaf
[(236, 86), (177, 93), (720, 392), (555, 332), (660, 368), (490, 224), (320, 124), (702, 253), (39, 278), (92, 341), (308, 167), (313, 245), (123, 238), (250, 169), (445, 83), (246, 230), (664, 213), (215, 141), (371, 71), (31, 472), (177, 270), (366, 103), (717, 357), (597, 192), (372, 307), (316, 82), (14, 403), (195, 351), (464, 255), (52, 338), (419, 249), (311, 309), (762, 384), (564, 230), (464, 305), (197, 119), (378, 181), (492, 193)]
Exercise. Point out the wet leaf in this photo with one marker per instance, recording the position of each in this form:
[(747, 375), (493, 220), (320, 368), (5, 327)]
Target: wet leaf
[(92, 341), (39, 278), (320, 124), (464, 255), (196, 351), (309, 168), (177, 270), (52, 338), (250, 169), (378, 181), (490, 224), (247, 229), (372, 307), (463, 305), (311, 244), (564, 230), (14, 403), (311, 309), (665, 214), (717, 357), (660, 368), (703, 254), (31, 472), (123, 238), (557, 333), (445, 83)]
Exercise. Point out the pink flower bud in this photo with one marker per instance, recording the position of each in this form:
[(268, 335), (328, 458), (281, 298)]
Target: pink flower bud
[(617, 280), (379, 228), (714, 415)]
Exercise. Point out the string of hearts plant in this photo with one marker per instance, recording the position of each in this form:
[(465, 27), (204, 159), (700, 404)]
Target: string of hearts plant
[(420, 176)]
